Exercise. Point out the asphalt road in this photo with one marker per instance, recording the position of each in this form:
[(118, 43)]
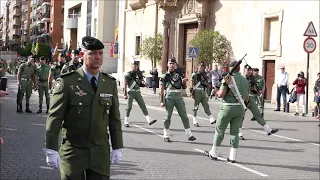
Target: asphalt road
[(292, 153)]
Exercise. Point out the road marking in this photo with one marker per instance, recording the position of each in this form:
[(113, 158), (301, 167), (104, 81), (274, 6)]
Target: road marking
[(148, 130), (206, 119), (237, 165), (11, 129), (38, 124), (286, 138)]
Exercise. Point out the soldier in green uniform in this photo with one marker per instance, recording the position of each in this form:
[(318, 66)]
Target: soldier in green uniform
[(74, 64), (199, 94), (55, 70), (27, 74), (260, 84), (234, 94), (85, 107), (43, 87), (3, 68), (133, 80), (171, 84), (253, 93), (11, 67)]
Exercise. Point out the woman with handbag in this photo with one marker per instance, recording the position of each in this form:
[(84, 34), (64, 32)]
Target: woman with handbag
[(316, 90), (301, 83)]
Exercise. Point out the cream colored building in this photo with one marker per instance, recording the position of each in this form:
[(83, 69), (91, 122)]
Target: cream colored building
[(271, 32), (95, 18)]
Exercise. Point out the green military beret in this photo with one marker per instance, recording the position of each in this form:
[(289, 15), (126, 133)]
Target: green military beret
[(91, 43), (255, 69), (247, 66), (233, 63)]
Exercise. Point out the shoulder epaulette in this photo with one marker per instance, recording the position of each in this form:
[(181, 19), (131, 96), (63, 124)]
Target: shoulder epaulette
[(66, 74), (111, 77)]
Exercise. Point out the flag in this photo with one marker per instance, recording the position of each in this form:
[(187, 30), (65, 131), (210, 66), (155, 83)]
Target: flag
[(66, 49), (33, 47), (36, 49), (55, 51), (70, 49), (116, 33)]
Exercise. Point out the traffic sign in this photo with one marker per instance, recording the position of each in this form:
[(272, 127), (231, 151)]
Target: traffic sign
[(193, 52), (310, 31), (309, 45)]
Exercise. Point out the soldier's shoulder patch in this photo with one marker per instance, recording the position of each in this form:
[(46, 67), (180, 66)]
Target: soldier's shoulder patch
[(109, 76), (66, 74)]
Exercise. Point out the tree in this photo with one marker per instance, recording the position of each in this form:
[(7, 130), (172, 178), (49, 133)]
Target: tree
[(151, 48), (213, 47)]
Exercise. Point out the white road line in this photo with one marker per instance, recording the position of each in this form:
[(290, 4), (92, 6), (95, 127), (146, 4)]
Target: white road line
[(287, 138), (206, 119), (148, 130), (38, 124), (238, 165)]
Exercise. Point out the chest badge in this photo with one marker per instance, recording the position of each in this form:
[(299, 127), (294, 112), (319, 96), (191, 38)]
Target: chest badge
[(81, 93), (106, 96)]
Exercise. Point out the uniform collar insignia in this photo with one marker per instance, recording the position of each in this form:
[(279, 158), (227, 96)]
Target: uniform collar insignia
[(81, 93)]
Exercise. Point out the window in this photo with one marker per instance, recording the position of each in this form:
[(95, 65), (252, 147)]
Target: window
[(52, 10), (95, 3), (95, 28), (138, 44), (89, 6), (88, 25), (61, 40)]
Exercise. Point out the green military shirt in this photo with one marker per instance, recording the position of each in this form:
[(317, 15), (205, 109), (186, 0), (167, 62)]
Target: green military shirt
[(27, 71), (243, 87), (260, 82), (2, 69), (68, 67), (199, 79), (171, 81), (84, 116), (132, 80), (56, 69), (43, 72)]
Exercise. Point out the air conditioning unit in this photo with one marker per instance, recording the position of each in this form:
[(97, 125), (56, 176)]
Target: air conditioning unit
[(139, 4)]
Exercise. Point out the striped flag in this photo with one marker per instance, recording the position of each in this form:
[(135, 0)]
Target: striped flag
[(33, 48), (36, 49)]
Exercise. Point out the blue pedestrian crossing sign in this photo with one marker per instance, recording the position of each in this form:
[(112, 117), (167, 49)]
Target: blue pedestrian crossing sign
[(193, 52)]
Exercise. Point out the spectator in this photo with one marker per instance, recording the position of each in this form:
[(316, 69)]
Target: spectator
[(316, 90), (301, 83), (155, 79), (282, 88)]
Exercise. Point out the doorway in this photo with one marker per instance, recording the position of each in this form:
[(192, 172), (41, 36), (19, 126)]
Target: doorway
[(269, 76)]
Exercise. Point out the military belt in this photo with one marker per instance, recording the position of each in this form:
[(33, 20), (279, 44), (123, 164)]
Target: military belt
[(136, 90), (173, 90), (24, 79), (199, 89), (231, 104), (253, 95)]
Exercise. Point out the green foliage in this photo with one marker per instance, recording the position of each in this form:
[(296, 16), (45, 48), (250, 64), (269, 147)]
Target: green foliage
[(213, 47), (151, 48), (44, 50), (25, 51)]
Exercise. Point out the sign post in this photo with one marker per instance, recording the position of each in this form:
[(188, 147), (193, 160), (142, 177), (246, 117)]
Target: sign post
[(193, 53), (309, 46)]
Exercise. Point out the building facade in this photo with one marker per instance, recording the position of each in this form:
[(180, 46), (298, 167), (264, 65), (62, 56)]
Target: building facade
[(92, 18), (270, 32), (57, 23)]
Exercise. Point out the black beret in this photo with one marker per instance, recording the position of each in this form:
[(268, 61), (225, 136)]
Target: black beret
[(255, 69), (233, 63), (247, 66), (201, 64), (75, 52), (135, 63), (92, 43), (172, 60), (224, 74), (42, 58)]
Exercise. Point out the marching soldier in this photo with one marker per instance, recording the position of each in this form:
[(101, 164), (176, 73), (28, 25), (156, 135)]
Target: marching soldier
[(85, 106), (74, 64), (170, 96), (133, 80), (26, 75), (198, 93), (55, 70), (43, 87), (260, 83), (234, 96), (253, 93)]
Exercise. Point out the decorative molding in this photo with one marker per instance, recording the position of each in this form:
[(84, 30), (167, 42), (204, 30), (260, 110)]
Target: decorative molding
[(166, 24), (264, 19)]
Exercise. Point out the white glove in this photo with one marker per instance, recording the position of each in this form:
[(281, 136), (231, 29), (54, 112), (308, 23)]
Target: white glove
[(53, 81), (52, 158), (116, 156)]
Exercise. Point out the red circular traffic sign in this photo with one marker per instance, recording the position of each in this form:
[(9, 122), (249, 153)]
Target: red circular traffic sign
[(309, 45)]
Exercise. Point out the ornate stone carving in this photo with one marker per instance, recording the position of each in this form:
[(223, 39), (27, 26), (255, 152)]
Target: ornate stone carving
[(169, 4), (189, 6), (165, 23)]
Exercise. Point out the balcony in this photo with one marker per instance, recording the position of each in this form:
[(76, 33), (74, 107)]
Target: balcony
[(46, 2), (16, 32), (33, 15), (45, 17), (16, 12), (16, 22), (72, 21), (16, 3)]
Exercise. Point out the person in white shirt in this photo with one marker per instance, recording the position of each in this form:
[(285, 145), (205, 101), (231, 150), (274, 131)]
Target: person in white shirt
[(282, 88)]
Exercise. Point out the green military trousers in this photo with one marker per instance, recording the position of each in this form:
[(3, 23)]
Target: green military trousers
[(259, 102), (136, 95), (232, 114), (43, 89), (201, 97), (255, 111), (83, 163), (174, 99), (24, 87)]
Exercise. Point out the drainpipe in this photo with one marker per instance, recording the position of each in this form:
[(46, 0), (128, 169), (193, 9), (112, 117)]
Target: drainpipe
[(156, 31)]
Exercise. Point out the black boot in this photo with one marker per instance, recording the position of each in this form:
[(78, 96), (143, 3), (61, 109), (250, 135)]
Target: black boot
[(19, 108), (40, 109), (27, 108), (47, 109)]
